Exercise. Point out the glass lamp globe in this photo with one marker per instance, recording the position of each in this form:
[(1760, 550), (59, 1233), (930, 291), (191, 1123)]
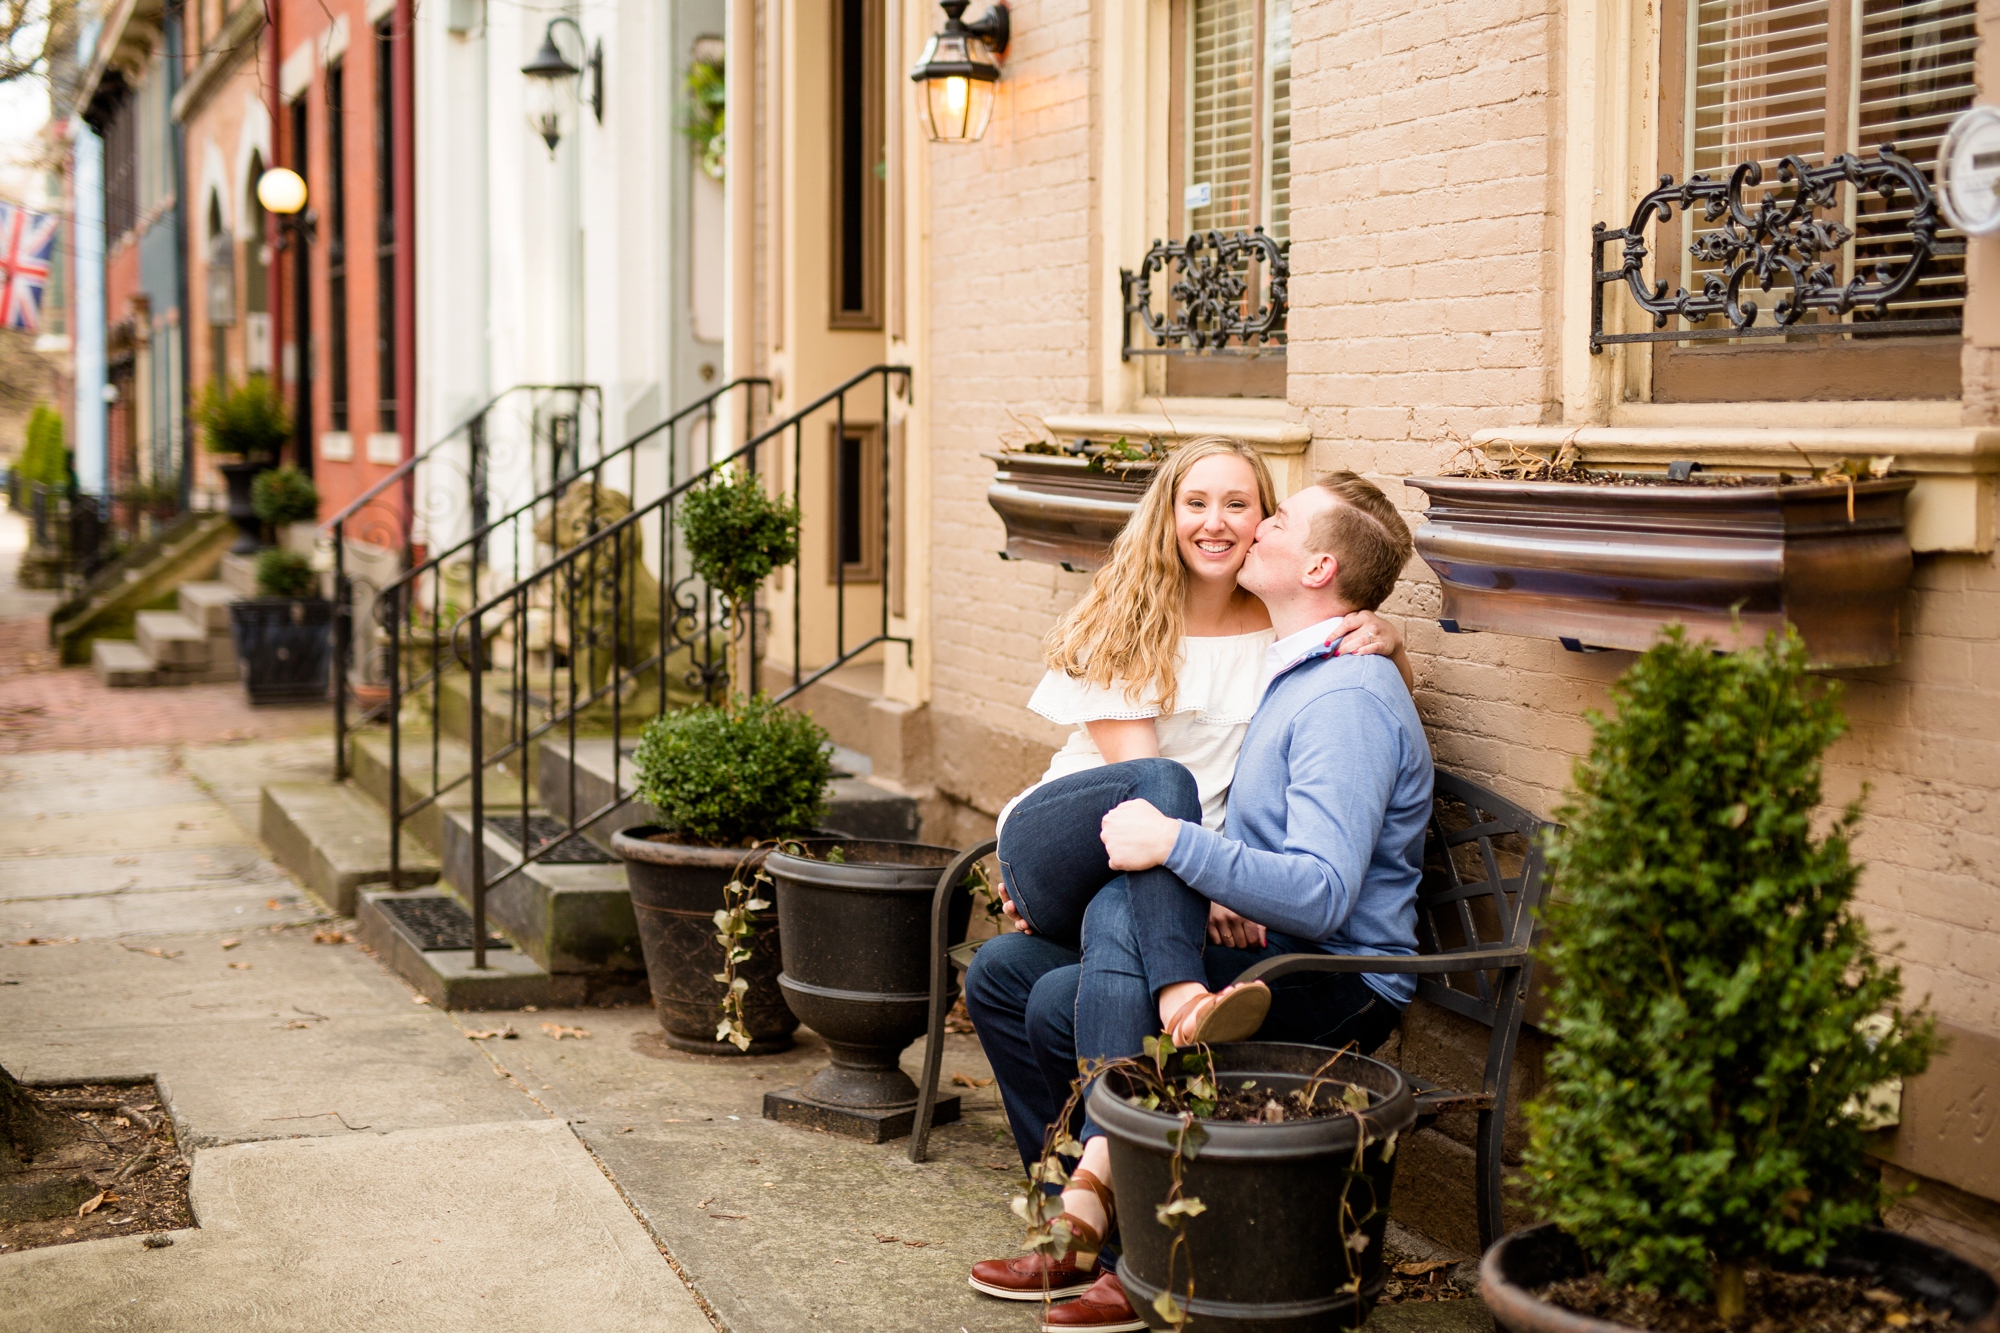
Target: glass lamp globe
[(551, 99), (281, 190), (956, 76)]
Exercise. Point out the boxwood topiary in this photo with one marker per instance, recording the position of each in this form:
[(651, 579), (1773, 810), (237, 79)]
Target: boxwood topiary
[(284, 495), (282, 573), (248, 419), (737, 533), (730, 775), (1716, 1005)]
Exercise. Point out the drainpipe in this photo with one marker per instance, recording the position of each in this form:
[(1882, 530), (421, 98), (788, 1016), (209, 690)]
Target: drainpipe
[(175, 28)]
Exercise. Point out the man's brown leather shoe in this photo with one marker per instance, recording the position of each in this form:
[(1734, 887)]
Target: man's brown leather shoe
[(1020, 1278), (1102, 1309)]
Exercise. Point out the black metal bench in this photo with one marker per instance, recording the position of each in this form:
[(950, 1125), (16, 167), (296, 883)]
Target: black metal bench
[(1476, 926)]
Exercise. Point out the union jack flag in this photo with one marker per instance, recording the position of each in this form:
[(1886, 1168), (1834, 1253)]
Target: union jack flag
[(27, 246)]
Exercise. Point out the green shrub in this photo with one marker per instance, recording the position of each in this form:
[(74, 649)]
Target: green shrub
[(284, 495), (282, 573), (735, 774), (44, 457), (737, 533), (1711, 983), (249, 419)]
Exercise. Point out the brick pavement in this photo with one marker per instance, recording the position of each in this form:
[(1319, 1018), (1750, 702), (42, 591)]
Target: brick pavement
[(44, 706)]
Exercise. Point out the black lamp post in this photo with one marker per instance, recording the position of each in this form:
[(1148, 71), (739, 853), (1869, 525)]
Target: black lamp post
[(550, 83), (282, 192)]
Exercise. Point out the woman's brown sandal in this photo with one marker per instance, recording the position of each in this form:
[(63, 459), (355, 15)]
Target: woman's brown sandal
[(1085, 1240), (1231, 1015)]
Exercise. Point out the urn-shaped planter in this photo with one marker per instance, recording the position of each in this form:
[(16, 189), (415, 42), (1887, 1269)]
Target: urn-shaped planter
[(856, 939), (1520, 1264), (285, 646), (1607, 565), (1274, 1250), (677, 889), (249, 528), (1062, 509)]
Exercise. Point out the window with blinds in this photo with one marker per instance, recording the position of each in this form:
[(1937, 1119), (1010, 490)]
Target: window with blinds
[(1236, 126), (1769, 79)]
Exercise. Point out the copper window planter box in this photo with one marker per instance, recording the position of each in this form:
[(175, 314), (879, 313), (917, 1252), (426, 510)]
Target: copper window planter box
[(1609, 566), (1060, 511)]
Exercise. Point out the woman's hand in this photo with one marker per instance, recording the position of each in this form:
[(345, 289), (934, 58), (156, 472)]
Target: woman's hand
[(1012, 913), (1365, 634), (1237, 932)]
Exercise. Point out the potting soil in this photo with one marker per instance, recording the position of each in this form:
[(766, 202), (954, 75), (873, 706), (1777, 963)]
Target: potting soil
[(1777, 1303)]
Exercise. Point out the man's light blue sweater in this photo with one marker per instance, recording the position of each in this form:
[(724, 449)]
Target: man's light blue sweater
[(1324, 841)]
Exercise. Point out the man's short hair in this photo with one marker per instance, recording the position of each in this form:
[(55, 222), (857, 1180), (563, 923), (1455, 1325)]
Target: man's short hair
[(1366, 535)]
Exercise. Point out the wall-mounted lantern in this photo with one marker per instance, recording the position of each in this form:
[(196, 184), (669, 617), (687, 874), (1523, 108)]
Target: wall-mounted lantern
[(281, 190), (956, 75), (552, 84)]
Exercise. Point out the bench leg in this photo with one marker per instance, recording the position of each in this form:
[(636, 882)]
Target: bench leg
[(950, 884)]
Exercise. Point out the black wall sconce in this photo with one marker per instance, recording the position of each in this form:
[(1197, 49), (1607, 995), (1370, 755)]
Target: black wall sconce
[(552, 84), (955, 78)]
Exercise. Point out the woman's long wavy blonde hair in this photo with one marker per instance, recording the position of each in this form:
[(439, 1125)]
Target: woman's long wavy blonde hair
[(1128, 627)]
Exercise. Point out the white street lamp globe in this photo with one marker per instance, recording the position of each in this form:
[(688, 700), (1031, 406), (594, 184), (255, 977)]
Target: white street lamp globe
[(281, 190)]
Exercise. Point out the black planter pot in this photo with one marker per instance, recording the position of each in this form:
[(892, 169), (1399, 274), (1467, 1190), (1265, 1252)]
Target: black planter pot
[(285, 645), (249, 528), (676, 891), (1267, 1255), (857, 952), (1520, 1263)]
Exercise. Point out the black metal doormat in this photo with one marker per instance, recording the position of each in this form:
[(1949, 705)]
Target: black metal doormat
[(575, 849), (434, 924)]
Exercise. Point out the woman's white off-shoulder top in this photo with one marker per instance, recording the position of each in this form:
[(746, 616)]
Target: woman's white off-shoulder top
[(1219, 682)]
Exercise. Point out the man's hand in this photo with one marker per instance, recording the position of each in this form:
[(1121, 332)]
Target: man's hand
[(1237, 932), (1138, 837)]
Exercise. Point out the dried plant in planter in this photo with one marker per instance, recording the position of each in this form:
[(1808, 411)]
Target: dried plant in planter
[(1718, 1009)]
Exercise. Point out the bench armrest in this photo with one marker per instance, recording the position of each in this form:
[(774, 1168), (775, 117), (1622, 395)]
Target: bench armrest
[(1470, 960)]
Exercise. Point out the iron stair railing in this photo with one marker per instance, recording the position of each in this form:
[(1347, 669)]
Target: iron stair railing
[(385, 518), (614, 658), (517, 534)]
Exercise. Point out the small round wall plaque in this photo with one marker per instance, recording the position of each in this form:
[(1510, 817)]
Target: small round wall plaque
[(1969, 171)]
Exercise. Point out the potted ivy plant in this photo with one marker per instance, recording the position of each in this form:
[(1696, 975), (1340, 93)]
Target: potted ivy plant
[(284, 634), (727, 783), (1720, 1017), (285, 498), (1543, 546), (249, 422), (1252, 1180)]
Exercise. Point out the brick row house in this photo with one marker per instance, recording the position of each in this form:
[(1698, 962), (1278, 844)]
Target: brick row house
[(1436, 171)]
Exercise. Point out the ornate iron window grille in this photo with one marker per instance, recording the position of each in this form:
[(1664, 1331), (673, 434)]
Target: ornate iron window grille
[(1206, 310), (1774, 241)]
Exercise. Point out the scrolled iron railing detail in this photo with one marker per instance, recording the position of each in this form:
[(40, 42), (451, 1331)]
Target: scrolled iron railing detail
[(1212, 272), (1779, 240)]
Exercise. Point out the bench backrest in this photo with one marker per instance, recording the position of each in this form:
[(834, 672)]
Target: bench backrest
[(1482, 886)]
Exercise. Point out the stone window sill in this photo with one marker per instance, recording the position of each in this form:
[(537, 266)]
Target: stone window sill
[(1270, 429), (1950, 509)]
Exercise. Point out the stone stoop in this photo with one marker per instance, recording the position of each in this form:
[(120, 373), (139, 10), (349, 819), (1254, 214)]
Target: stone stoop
[(576, 920), (239, 574), (446, 977), (368, 762), (171, 647), (336, 841)]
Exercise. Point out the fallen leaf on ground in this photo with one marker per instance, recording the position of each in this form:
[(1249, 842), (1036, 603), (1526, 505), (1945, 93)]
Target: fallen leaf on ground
[(997, 1166), (298, 1023), (885, 1239), (124, 860), (500, 1073), (626, 1130), (154, 953), (968, 1081), (330, 936), (420, 999), (190, 824), (919, 1244), (231, 944), (1419, 1267), (506, 1033), (705, 1203), (46, 939), (531, 1008), (270, 904), (558, 1031), (732, 1217), (241, 967), (89, 1206), (69, 1231)]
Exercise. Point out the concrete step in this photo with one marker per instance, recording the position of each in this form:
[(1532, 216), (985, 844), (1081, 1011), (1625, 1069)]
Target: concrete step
[(855, 805), (171, 640), (207, 605), (336, 840), (574, 920), (425, 769), (239, 574), (511, 980), (121, 664)]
